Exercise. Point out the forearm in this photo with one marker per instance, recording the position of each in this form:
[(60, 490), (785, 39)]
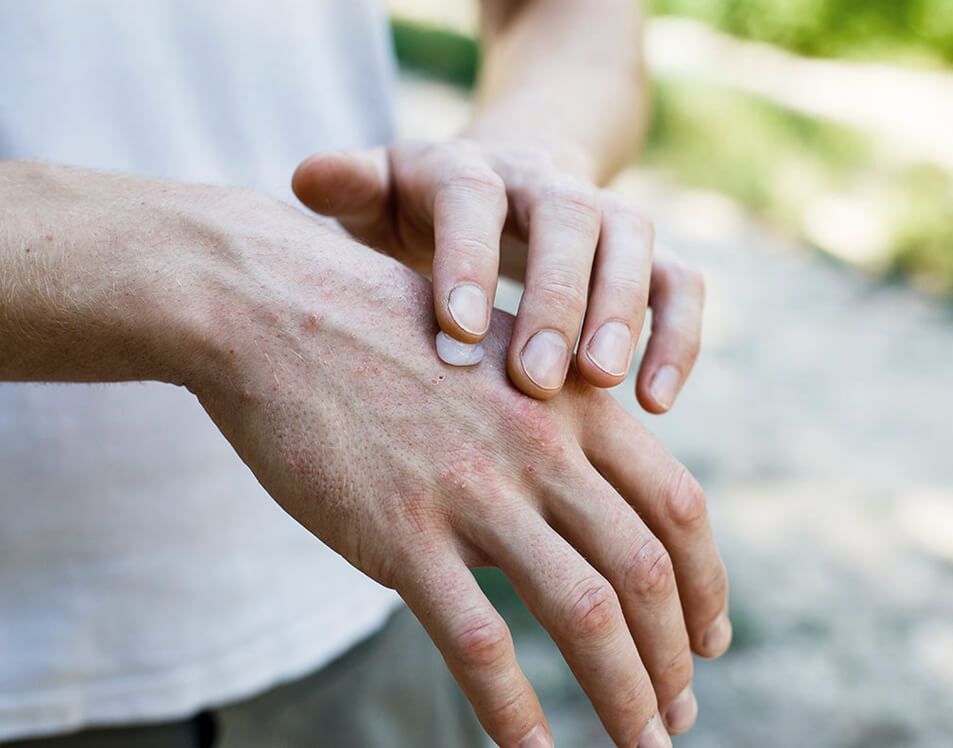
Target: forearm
[(94, 273), (566, 75)]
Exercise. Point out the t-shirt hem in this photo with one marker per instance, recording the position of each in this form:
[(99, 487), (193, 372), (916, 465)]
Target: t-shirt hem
[(178, 693)]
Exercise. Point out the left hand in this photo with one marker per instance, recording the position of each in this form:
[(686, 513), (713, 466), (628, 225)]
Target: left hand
[(584, 254)]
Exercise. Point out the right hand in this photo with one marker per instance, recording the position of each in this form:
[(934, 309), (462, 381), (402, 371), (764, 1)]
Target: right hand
[(324, 379)]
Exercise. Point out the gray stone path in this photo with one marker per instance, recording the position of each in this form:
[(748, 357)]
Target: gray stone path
[(820, 420)]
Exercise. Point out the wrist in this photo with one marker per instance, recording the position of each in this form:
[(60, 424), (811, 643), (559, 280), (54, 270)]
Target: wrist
[(492, 130), (227, 248), (272, 289)]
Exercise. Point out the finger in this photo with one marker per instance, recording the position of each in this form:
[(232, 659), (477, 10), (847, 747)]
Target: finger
[(619, 294), (469, 210), (564, 222), (478, 649), (677, 299), (582, 613), (599, 523), (352, 186), (673, 505)]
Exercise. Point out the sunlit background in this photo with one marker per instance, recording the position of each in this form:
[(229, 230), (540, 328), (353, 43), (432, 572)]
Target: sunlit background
[(801, 153)]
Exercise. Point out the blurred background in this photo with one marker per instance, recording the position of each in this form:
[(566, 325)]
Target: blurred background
[(801, 154)]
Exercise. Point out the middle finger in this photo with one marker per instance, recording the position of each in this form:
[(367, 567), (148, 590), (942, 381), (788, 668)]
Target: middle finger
[(581, 611), (602, 526), (564, 222)]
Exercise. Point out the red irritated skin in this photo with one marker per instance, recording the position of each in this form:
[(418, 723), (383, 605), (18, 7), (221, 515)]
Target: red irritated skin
[(561, 104), (314, 356)]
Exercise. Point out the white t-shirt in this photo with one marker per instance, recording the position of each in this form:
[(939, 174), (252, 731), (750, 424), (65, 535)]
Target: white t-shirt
[(144, 574)]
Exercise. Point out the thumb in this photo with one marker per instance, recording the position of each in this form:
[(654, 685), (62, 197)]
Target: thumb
[(349, 185)]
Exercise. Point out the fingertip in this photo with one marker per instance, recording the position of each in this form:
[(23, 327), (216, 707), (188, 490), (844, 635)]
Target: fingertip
[(658, 389), (717, 638), (301, 175), (594, 375), (539, 368), (340, 181), (467, 312), (314, 178), (645, 399), (681, 714), (604, 357)]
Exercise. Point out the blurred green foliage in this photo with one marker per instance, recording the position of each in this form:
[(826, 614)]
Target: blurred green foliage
[(761, 154), (919, 31), (438, 53), (776, 162), (923, 243)]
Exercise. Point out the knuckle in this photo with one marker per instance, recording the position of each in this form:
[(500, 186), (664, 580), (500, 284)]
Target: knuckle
[(575, 203), (465, 469), (476, 178), (470, 249), (483, 643), (642, 225), (414, 510), (559, 289), (715, 588), (632, 220), (470, 473), (650, 573), (684, 275), (635, 707), (627, 291), (685, 501), (507, 711), (540, 430), (593, 611), (678, 671)]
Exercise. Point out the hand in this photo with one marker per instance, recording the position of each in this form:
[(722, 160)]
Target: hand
[(323, 378), (586, 256)]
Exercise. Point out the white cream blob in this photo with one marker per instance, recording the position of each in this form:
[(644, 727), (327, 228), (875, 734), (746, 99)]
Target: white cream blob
[(455, 353)]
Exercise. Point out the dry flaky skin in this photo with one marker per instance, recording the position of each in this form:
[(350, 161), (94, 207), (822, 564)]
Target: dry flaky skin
[(413, 471), (314, 355)]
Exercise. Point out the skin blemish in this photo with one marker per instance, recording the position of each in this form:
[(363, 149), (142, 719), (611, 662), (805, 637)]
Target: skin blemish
[(311, 321)]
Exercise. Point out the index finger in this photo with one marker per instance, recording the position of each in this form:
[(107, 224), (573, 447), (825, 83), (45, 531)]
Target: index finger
[(469, 210)]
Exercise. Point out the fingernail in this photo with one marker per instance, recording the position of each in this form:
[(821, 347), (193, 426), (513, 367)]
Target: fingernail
[(718, 637), (468, 304), (655, 735), (545, 358), (681, 713), (609, 348), (538, 737), (664, 386)]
